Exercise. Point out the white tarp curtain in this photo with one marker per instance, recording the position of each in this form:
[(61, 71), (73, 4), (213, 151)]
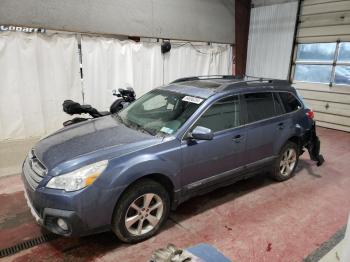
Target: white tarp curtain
[(110, 64), (37, 72), (193, 60), (270, 40)]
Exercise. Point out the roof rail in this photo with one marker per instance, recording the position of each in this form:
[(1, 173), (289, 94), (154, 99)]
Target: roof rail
[(192, 78), (269, 80), (246, 83)]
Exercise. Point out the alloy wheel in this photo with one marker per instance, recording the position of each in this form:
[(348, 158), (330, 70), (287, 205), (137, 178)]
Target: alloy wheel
[(144, 214), (288, 161)]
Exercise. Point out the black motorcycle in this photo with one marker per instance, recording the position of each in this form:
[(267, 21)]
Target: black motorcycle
[(70, 107)]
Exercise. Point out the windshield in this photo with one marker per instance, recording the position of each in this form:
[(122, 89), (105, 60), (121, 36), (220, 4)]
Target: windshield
[(160, 111)]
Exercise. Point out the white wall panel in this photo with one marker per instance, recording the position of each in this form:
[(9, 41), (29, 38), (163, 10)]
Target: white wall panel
[(270, 40), (338, 18), (325, 7), (326, 21)]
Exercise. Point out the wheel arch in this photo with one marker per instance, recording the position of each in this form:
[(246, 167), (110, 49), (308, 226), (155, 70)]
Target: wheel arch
[(297, 140), (162, 179)]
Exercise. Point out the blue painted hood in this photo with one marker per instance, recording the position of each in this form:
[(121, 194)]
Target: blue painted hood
[(88, 137)]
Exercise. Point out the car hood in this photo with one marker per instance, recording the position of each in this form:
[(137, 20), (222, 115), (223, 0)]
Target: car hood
[(87, 137)]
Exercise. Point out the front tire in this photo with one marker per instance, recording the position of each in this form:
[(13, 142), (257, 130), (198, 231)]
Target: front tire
[(286, 162), (141, 211)]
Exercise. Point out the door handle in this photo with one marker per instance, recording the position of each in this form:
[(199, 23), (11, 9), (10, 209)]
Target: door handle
[(281, 125), (237, 138)]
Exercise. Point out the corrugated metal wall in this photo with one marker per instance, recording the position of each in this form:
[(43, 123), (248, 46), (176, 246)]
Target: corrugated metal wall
[(195, 20), (270, 40), (326, 21)]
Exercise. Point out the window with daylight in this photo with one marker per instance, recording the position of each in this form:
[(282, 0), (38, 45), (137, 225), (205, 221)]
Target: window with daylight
[(327, 63)]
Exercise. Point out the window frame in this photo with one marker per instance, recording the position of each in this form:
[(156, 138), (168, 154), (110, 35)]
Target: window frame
[(284, 106), (245, 107), (242, 122), (332, 63), (245, 112)]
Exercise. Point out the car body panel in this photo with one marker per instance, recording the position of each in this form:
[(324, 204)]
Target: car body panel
[(206, 158)]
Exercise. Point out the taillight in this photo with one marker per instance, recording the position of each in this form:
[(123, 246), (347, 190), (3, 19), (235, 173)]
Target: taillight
[(310, 114)]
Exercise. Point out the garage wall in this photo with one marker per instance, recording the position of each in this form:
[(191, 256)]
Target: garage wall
[(270, 40), (201, 20), (325, 21)]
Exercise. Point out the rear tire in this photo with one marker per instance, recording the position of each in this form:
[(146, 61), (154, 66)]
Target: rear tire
[(141, 211), (286, 163)]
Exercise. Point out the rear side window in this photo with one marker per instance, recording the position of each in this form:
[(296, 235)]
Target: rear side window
[(289, 101), (259, 106), (278, 104)]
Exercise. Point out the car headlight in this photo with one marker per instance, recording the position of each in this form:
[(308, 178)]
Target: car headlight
[(79, 178)]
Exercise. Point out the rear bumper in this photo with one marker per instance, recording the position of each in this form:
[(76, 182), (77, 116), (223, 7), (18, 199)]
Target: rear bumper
[(313, 144)]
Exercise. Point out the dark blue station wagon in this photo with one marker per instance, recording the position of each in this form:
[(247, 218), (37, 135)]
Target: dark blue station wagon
[(124, 172)]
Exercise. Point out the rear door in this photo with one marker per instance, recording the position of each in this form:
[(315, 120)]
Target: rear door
[(207, 161), (287, 110), (261, 127)]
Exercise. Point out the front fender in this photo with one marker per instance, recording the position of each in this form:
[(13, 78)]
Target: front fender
[(132, 169)]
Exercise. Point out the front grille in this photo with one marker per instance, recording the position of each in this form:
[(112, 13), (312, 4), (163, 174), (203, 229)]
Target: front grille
[(33, 170)]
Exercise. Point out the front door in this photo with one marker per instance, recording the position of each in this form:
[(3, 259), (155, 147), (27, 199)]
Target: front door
[(207, 160)]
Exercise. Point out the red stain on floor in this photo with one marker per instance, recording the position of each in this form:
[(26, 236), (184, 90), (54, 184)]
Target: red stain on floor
[(242, 220), (269, 247)]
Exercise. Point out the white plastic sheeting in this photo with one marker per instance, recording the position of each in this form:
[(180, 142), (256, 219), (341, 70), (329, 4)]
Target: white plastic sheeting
[(110, 64), (191, 60), (270, 41), (37, 73)]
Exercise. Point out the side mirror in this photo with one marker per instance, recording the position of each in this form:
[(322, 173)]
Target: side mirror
[(114, 92), (202, 133)]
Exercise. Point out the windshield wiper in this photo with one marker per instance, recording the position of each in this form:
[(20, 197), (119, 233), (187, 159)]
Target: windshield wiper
[(145, 130), (136, 126)]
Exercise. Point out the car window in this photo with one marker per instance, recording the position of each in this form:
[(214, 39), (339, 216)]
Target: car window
[(278, 104), (160, 112), (289, 101), (223, 114), (259, 106), (156, 102)]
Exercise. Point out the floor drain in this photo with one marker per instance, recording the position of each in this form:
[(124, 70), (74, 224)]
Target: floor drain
[(26, 245)]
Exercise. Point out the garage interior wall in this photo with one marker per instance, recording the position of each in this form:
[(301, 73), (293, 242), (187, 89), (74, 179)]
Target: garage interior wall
[(38, 72), (195, 20), (270, 40), (325, 21)]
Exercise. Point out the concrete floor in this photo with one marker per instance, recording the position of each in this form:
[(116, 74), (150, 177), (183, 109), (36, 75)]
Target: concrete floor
[(12, 154), (253, 220)]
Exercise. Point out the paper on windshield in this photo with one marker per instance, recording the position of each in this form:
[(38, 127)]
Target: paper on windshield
[(192, 99)]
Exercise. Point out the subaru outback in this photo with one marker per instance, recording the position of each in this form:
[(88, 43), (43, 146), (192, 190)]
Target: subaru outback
[(126, 171)]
